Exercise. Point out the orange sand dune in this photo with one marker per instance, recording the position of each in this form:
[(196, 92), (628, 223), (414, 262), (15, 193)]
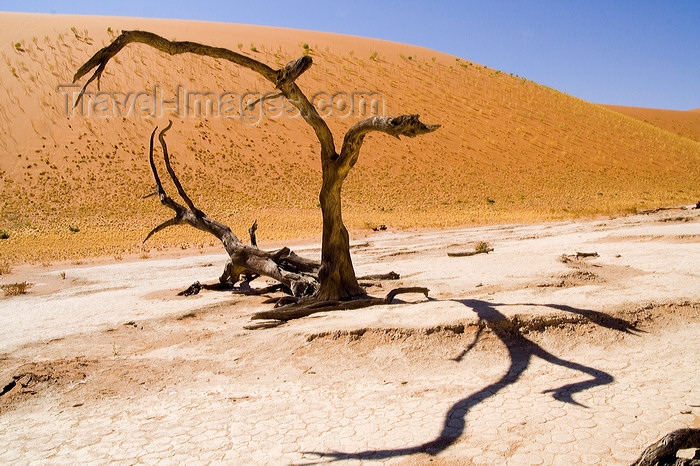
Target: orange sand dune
[(508, 150), (687, 124)]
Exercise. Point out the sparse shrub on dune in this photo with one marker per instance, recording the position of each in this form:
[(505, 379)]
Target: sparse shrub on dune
[(16, 289), (562, 151)]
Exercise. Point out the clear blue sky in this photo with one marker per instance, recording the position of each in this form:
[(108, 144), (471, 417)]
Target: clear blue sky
[(639, 53)]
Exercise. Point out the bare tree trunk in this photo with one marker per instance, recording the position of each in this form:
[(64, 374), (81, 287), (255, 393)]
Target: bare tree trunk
[(337, 274)]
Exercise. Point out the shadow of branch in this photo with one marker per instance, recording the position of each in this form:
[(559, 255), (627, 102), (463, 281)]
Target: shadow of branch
[(520, 351)]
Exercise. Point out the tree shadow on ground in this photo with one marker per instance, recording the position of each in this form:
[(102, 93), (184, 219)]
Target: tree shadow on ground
[(520, 351)]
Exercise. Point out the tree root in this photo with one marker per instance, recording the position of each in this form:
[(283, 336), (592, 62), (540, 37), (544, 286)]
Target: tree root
[(283, 301), (292, 307), (307, 306)]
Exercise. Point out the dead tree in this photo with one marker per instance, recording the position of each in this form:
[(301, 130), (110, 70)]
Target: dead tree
[(336, 280)]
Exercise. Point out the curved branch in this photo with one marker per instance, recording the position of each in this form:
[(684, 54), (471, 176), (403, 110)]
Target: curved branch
[(251, 105), (311, 116), (164, 199), (404, 125), (101, 58), (282, 79), (173, 176), (162, 226), (159, 186), (193, 217), (97, 74)]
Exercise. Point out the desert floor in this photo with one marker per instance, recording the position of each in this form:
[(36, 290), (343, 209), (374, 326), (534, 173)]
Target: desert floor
[(518, 356)]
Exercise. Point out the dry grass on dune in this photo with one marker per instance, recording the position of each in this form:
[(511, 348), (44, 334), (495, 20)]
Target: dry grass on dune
[(683, 123), (509, 149)]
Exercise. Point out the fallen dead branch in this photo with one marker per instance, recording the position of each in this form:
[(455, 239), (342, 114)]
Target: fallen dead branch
[(565, 258), (470, 253), (381, 276), (370, 284), (664, 451), (653, 211)]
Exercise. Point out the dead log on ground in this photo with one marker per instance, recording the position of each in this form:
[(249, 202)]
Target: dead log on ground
[(664, 452), (470, 253), (381, 276)]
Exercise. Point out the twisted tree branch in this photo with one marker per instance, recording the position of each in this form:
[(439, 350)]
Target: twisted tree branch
[(162, 226), (282, 79), (191, 216), (404, 125), (100, 59), (172, 174), (292, 271), (251, 105)]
